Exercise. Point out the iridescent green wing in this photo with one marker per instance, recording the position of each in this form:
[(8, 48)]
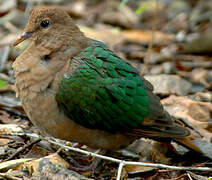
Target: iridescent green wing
[(105, 92)]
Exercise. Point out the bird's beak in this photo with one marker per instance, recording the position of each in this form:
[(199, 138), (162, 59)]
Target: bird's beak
[(24, 36)]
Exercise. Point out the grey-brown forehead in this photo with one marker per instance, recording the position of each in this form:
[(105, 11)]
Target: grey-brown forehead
[(36, 14), (52, 14)]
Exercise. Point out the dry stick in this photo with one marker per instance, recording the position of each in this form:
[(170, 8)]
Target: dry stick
[(23, 148), (189, 176), (122, 163)]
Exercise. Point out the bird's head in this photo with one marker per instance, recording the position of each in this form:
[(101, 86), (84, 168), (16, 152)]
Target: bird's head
[(49, 25)]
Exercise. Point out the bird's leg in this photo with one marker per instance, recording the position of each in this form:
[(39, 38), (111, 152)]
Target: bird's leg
[(84, 158), (91, 167), (77, 145)]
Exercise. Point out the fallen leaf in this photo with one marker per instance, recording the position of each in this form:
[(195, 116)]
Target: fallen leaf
[(196, 112), (169, 84), (146, 36), (4, 141), (106, 36), (33, 167)]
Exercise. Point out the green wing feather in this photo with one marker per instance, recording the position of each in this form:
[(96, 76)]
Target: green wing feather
[(104, 92)]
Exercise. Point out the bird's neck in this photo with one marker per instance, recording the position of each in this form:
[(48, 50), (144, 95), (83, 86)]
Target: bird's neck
[(39, 69), (63, 42), (69, 40)]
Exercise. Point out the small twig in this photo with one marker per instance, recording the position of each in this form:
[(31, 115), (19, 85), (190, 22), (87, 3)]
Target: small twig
[(121, 165), (122, 162), (59, 150), (195, 176), (23, 148), (189, 176)]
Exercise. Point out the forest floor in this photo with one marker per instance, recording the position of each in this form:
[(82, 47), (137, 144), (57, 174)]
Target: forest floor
[(169, 42)]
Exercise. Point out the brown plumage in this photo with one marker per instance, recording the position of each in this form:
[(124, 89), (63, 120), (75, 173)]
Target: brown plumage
[(54, 52)]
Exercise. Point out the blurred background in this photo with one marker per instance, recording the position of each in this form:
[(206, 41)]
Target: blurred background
[(169, 42)]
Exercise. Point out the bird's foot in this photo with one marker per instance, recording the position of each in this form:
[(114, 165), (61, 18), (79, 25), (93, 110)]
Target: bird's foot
[(80, 168), (77, 145)]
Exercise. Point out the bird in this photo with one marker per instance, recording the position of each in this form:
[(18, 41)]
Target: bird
[(76, 89)]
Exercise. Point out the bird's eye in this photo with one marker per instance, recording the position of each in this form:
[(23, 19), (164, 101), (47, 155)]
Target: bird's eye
[(45, 23)]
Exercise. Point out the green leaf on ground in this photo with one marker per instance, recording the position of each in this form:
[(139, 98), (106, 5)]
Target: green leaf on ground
[(144, 7), (2, 84)]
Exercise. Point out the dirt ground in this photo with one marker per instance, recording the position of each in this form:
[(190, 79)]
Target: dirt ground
[(169, 42)]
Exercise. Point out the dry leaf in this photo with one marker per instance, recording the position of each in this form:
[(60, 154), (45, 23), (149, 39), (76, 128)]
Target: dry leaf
[(33, 167), (146, 36)]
